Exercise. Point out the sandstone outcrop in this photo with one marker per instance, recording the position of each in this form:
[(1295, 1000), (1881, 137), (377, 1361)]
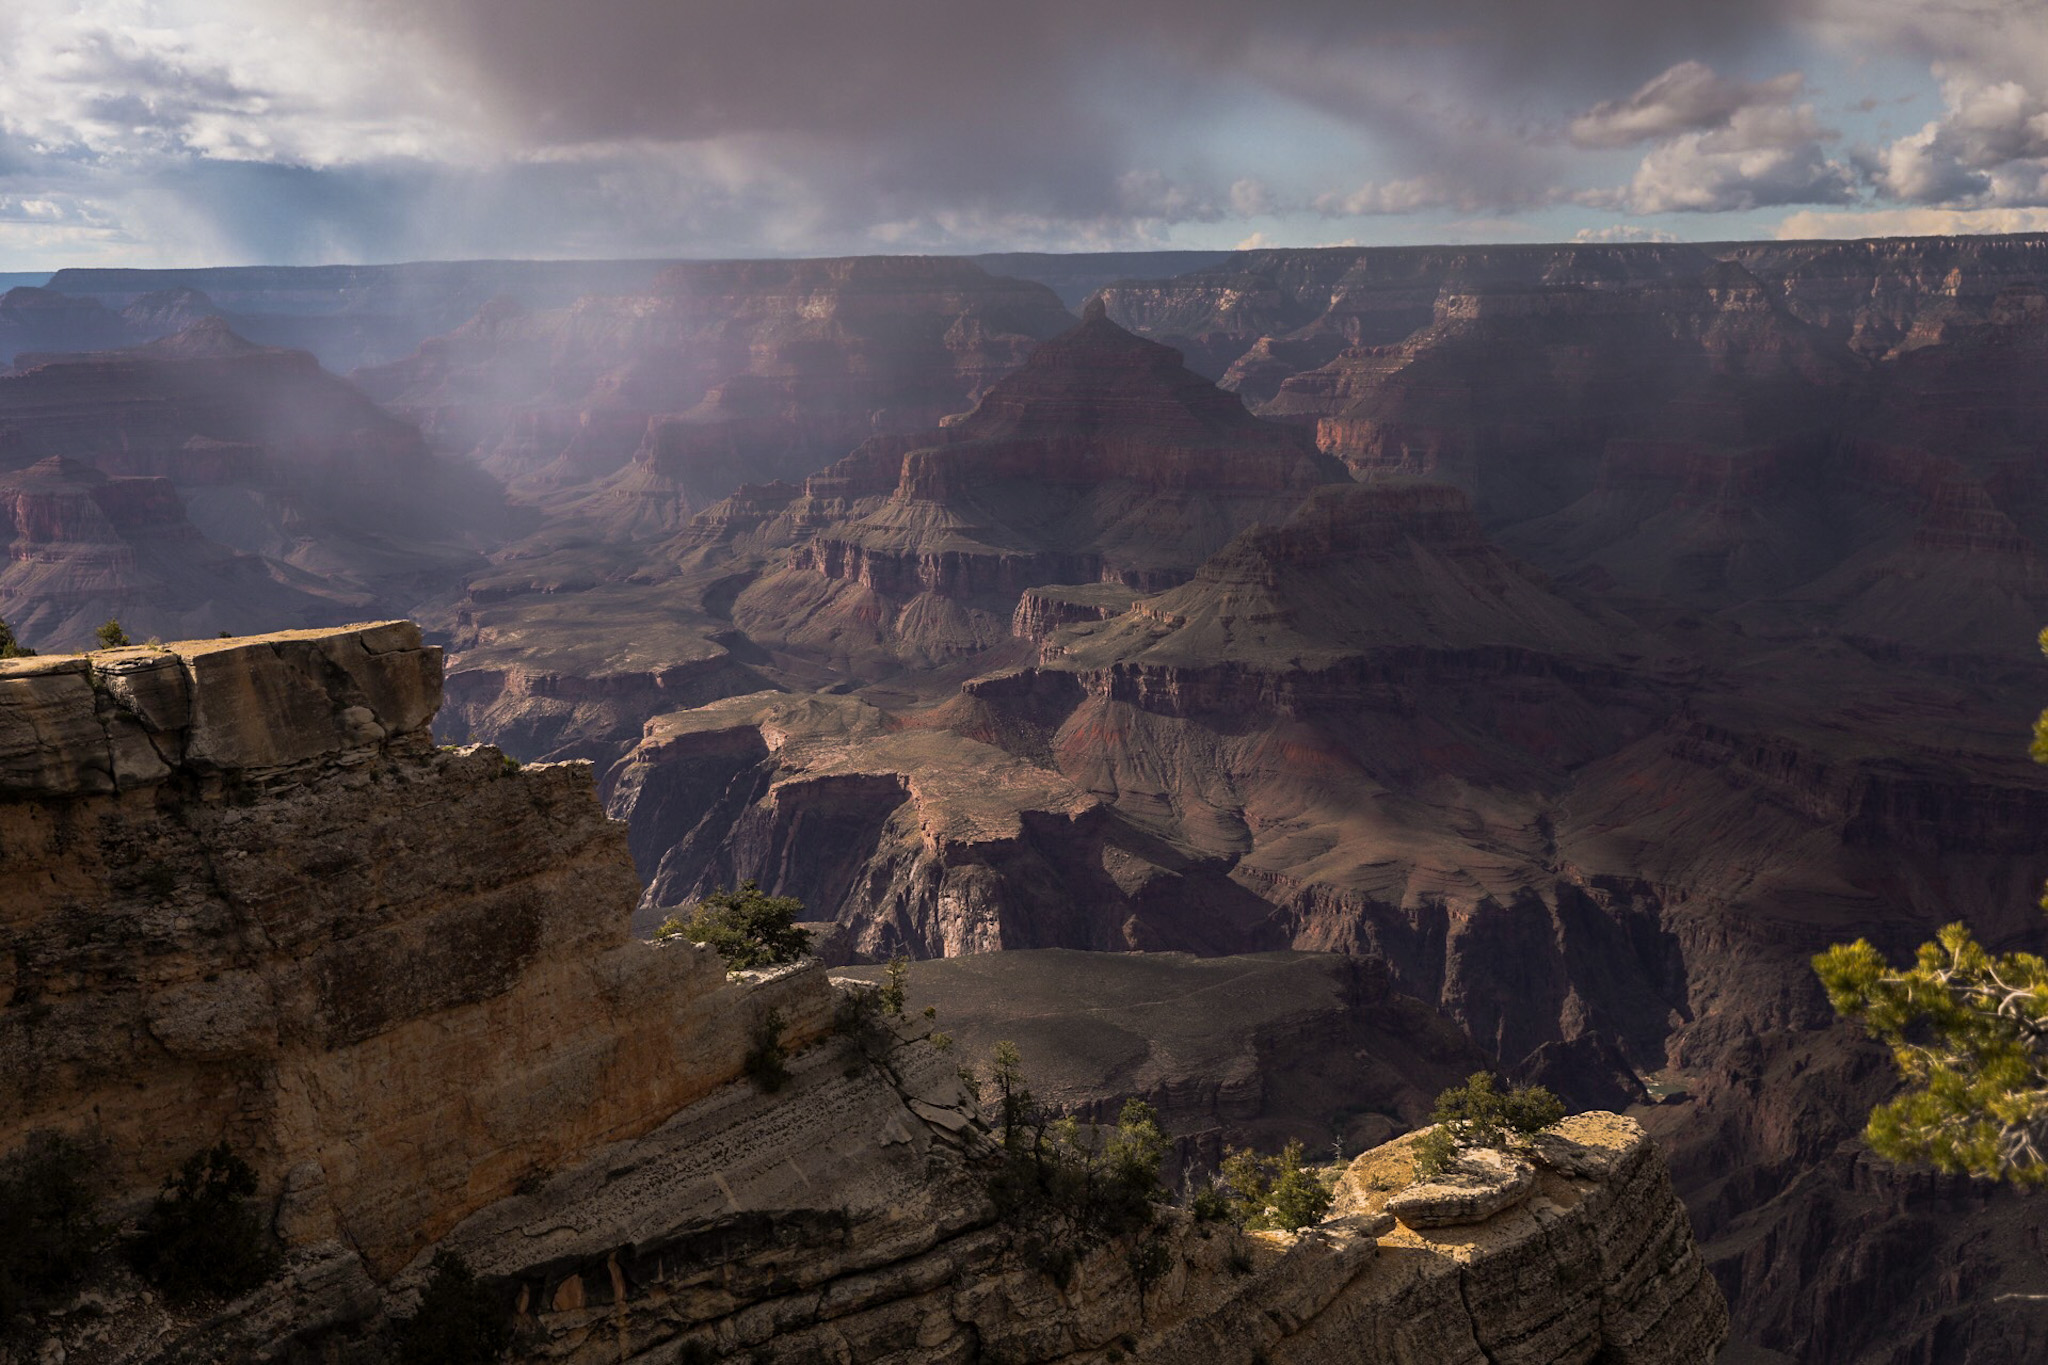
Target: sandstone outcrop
[(250, 900), (933, 1284), (1592, 1171), (1478, 1185)]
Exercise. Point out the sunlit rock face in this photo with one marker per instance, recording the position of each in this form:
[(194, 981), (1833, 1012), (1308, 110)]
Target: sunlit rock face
[(250, 900), (1319, 300), (1869, 296)]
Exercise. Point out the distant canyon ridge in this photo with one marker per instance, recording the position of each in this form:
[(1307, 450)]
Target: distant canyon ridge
[(1580, 636)]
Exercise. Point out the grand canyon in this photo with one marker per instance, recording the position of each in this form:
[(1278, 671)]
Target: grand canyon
[(1269, 685)]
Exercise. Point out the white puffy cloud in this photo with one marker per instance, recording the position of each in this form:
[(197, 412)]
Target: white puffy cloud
[(1623, 232), (1720, 146), (1690, 175), (1989, 147), (128, 81)]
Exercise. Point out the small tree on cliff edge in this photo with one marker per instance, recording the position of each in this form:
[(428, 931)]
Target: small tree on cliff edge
[(1478, 1114), (11, 648), (111, 636), (1969, 1032), (747, 926)]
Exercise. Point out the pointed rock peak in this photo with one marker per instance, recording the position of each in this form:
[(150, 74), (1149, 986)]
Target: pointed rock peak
[(1375, 519), (1095, 310), (1095, 374), (207, 339)]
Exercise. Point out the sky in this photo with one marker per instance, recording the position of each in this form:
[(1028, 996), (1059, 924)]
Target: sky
[(194, 132)]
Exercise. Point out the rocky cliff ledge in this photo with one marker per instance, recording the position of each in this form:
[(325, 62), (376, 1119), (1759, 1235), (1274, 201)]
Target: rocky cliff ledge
[(840, 1221), (250, 899)]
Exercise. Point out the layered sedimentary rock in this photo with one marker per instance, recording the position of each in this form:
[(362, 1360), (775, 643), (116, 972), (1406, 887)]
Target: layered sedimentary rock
[(1869, 295), (357, 315), (1949, 561), (1102, 459), (1360, 296), (900, 1267), (1104, 761), (1606, 847), (1769, 426), (251, 901), (271, 455), (1514, 393), (82, 547), (1875, 294), (625, 416)]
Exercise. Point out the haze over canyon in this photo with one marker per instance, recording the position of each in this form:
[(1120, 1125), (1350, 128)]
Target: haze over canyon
[(1514, 657)]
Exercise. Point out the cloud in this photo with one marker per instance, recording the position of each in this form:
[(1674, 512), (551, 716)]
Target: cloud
[(1989, 146), (1412, 195), (1691, 174), (1910, 222), (1719, 145), (1689, 97), (383, 129), (1623, 232)]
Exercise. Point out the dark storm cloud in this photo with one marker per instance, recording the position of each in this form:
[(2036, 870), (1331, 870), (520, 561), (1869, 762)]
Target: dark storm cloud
[(329, 129), (1035, 105)]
